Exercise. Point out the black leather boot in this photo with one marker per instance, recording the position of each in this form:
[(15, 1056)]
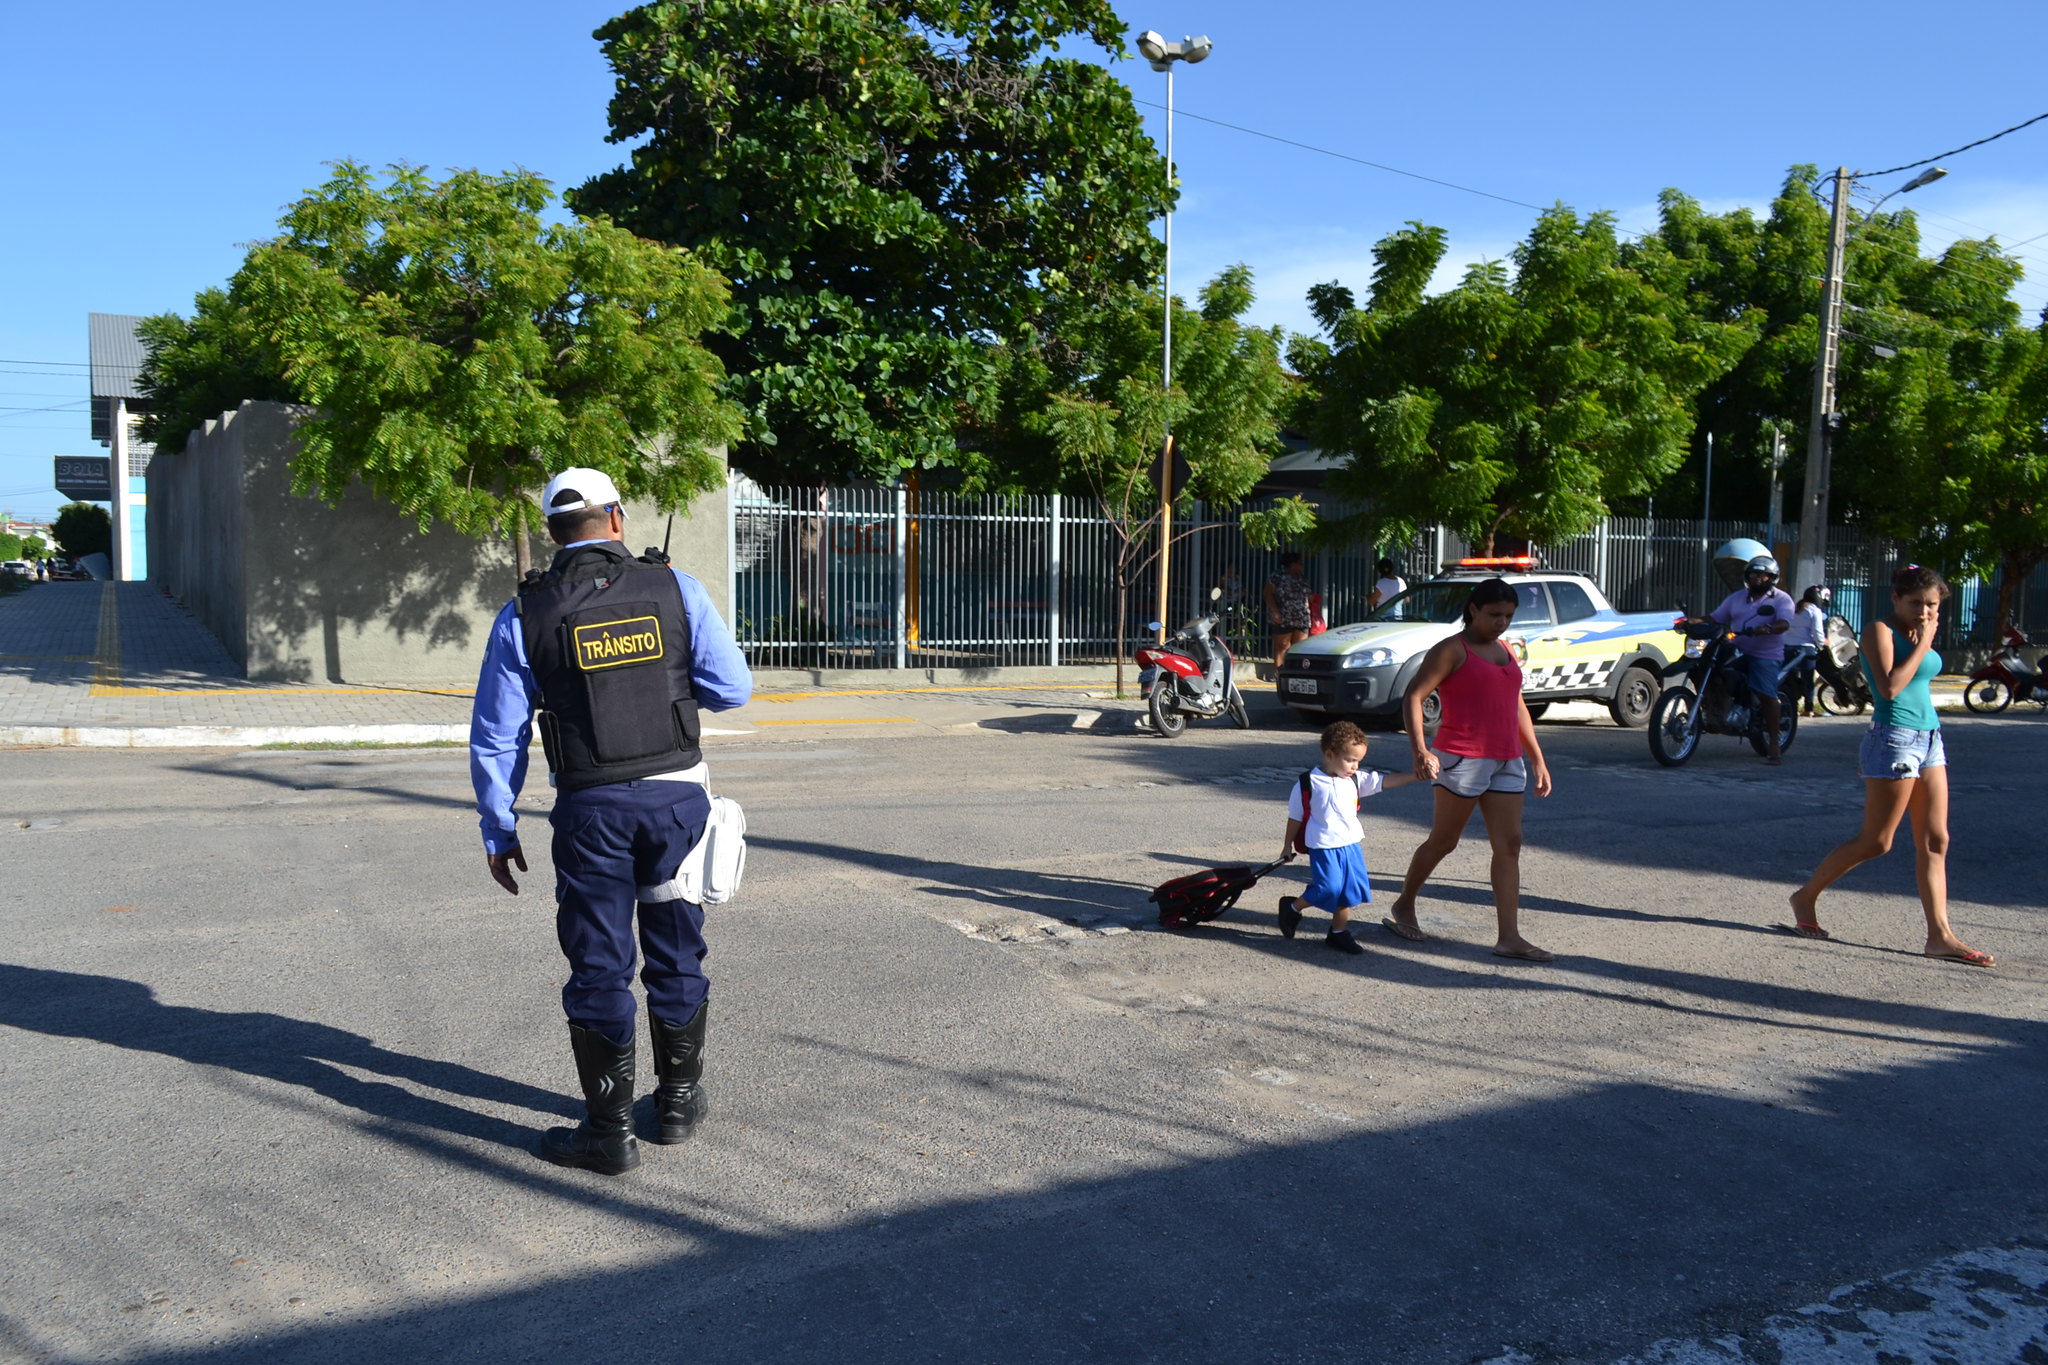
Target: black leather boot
[(679, 1102), (604, 1141)]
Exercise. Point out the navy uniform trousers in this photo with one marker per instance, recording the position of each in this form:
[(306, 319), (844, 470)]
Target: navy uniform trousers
[(609, 842)]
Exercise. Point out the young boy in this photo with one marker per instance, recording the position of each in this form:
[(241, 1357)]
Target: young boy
[(1329, 832)]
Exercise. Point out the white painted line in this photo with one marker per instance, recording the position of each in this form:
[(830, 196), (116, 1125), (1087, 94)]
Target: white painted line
[(1085, 719), (225, 736)]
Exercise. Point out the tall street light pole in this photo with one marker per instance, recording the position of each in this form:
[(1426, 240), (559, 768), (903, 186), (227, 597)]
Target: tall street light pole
[(1162, 55), (1823, 420)]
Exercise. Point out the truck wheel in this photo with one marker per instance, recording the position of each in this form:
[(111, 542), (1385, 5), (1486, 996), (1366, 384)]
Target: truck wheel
[(1634, 698), (1537, 708)]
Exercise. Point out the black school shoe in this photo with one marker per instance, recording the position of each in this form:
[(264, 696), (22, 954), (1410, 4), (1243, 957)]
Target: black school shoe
[(1342, 941), (1290, 916)]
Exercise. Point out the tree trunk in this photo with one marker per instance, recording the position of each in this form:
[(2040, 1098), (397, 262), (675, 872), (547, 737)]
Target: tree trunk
[(2013, 568), (522, 553)]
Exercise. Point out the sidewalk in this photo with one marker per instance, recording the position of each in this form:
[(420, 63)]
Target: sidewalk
[(120, 665)]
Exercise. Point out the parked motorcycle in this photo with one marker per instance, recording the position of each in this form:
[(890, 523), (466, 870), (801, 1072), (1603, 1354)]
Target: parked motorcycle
[(1194, 669), (1705, 693), (2005, 680), (1843, 690)]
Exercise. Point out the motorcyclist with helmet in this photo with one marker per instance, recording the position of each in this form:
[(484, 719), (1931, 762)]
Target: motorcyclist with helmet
[(1760, 612)]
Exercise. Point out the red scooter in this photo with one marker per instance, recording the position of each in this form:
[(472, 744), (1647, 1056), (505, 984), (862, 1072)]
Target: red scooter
[(2005, 680), (1193, 679)]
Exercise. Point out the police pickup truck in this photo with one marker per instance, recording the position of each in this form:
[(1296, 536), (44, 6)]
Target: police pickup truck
[(1572, 644)]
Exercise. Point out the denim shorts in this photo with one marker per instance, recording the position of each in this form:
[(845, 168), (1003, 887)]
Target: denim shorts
[(1763, 675), (1894, 752), (1470, 777)]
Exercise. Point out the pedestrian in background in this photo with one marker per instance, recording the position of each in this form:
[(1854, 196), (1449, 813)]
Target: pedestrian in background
[(1287, 593), (1904, 766), (1386, 587), (1804, 642), (620, 655), (1486, 755)]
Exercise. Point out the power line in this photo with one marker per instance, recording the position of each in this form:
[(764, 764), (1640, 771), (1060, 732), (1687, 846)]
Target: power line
[(1911, 165), (1346, 156), (76, 364), (1523, 203)]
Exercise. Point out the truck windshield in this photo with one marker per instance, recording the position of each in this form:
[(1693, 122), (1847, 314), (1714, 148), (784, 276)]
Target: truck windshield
[(1437, 603)]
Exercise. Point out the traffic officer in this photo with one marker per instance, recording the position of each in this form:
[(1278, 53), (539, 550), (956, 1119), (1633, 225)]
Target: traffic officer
[(620, 655)]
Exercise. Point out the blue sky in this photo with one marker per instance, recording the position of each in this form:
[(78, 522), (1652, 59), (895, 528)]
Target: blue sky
[(144, 142)]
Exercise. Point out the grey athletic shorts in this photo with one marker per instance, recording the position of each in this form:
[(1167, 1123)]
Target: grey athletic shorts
[(1469, 777)]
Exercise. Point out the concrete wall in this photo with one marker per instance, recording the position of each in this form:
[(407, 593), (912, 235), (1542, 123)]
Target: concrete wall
[(302, 592)]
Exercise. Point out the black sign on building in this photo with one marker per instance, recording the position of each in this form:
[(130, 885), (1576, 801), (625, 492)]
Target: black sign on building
[(85, 478)]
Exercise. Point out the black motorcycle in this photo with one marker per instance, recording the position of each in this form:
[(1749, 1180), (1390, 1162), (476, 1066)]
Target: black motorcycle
[(1707, 693)]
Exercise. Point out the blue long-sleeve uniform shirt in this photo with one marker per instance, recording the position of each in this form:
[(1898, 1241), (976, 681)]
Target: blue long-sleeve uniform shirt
[(501, 722)]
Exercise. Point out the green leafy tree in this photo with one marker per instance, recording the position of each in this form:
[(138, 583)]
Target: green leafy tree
[(34, 547), (1769, 270), (1517, 403), (455, 349), (1089, 417), (891, 185), (83, 528), (10, 546), (1946, 445)]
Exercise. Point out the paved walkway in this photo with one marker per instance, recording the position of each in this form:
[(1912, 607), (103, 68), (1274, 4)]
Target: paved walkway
[(120, 664)]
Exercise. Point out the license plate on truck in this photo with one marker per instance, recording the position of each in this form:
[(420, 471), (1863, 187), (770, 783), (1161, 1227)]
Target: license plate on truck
[(1301, 686)]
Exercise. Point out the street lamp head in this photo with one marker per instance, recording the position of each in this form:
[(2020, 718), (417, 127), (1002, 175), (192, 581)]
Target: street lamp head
[(1152, 47), (1926, 177), (1196, 49)]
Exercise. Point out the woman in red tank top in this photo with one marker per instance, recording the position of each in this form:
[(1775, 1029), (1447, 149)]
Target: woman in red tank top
[(1486, 754)]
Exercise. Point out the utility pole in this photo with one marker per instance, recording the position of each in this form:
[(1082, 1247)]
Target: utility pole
[(1706, 519), (1166, 388), (1162, 55), (1813, 511), (1776, 511)]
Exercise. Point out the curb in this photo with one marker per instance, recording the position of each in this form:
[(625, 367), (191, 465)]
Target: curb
[(223, 736)]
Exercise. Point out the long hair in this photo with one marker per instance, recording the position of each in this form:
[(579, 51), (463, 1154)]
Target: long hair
[(1488, 591)]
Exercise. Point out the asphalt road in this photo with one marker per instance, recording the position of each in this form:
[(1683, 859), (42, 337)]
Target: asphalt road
[(275, 1052)]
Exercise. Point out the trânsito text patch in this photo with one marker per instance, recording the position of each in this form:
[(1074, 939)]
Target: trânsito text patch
[(608, 644)]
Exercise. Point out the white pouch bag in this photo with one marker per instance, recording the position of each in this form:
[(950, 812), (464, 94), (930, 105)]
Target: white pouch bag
[(711, 871)]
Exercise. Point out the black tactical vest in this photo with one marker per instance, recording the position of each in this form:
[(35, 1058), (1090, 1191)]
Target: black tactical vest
[(608, 640)]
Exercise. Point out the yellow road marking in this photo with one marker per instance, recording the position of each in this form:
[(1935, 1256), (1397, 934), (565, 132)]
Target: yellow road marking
[(284, 691), (843, 720)]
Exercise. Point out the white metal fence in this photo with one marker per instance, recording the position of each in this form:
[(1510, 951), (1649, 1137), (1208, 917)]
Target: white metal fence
[(865, 577)]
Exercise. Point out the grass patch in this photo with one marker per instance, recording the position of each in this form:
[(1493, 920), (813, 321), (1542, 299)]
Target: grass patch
[(365, 744)]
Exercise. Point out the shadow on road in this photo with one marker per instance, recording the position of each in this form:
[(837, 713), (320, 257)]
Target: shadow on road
[(1569, 1228), (311, 1056)]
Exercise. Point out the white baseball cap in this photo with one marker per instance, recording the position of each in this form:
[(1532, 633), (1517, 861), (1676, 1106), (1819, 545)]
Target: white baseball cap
[(573, 490)]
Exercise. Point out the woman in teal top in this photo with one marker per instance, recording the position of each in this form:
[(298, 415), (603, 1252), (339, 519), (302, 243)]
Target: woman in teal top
[(1905, 771)]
